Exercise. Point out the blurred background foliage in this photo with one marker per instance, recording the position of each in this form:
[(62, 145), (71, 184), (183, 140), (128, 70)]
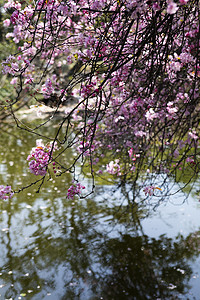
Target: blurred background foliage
[(7, 47)]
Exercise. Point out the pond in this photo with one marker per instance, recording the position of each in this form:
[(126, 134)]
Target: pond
[(92, 248)]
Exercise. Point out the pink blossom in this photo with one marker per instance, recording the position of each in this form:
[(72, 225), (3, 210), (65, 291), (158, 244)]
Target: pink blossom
[(113, 167), (150, 115), (171, 110), (9, 4), (74, 189), (133, 168), (130, 152), (183, 2), (14, 80), (10, 65), (176, 153), (193, 135), (5, 192), (6, 22), (39, 158), (97, 4), (140, 133), (175, 66), (47, 88), (172, 7), (149, 190), (186, 57), (156, 6), (14, 17), (190, 159)]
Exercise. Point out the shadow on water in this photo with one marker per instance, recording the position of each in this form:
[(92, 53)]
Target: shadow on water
[(54, 248)]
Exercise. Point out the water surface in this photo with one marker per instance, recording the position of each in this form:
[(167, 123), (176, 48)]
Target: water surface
[(93, 248)]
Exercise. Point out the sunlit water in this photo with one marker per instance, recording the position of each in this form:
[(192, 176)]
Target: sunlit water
[(93, 248)]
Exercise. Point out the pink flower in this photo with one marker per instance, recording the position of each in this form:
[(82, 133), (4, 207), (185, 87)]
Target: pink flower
[(6, 22), (14, 17), (140, 133), (175, 66), (14, 80), (113, 167), (74, 189), (183, 1), (5, 192), (156, 6), (172, 8), (130, 152), (171, 110), (39, 158), (186, 57), (193, 135), (47, 88), (190, 159), (149, 190), (150, 115), (10, 65)]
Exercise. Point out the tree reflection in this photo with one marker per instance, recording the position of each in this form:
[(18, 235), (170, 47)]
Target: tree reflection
[(53, 248), (76, 252), (144, 268)]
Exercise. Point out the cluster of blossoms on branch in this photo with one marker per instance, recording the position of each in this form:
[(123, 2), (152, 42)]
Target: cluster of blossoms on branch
[(74, 190), (40, 157), (149, 190), (6, 192)]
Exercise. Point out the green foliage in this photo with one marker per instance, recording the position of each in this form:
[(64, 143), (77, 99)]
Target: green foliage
[(7, 91)]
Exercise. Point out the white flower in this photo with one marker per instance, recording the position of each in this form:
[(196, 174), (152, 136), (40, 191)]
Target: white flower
[(150, 115)]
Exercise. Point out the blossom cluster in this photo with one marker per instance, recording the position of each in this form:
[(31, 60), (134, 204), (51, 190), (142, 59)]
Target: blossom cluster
[(74, 189), (149, 190), (113, 167), (40, 157), (5, 192)]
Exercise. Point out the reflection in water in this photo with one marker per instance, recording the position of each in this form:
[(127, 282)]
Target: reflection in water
[(143, 268), (54, 248), (68, 254)]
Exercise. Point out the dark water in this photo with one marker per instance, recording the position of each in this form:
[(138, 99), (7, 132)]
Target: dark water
[(94, 248)]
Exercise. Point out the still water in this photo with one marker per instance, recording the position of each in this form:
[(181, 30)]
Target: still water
[(95, 248)]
